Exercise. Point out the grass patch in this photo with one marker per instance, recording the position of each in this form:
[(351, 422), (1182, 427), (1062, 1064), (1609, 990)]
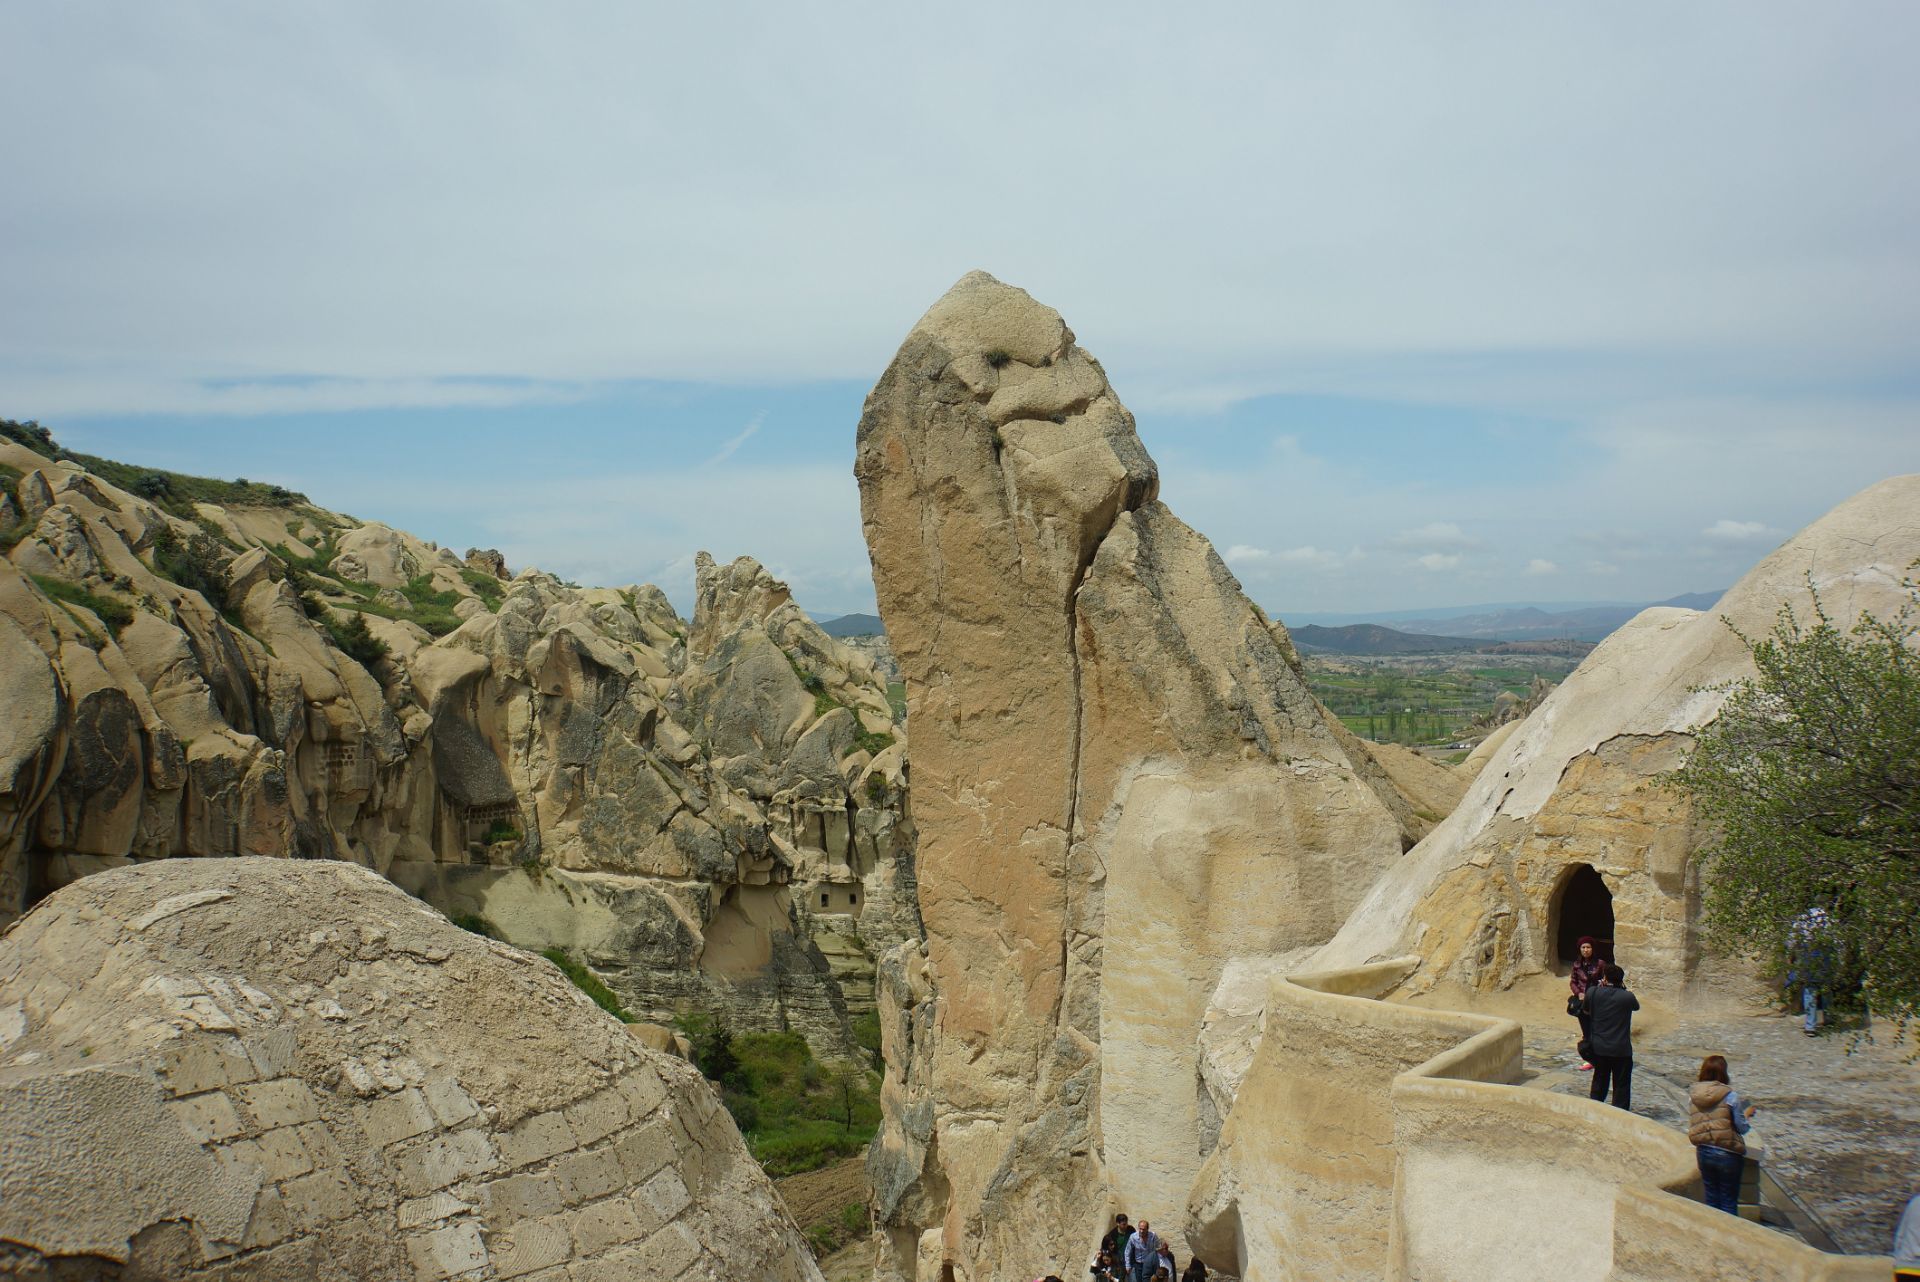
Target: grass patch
[(870, 742), (115, 613), (795, 1113), (10, 475), (589, 983), (487, 588), (897, 700)]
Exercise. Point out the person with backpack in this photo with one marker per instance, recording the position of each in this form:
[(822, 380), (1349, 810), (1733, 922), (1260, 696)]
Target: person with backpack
[(1716, 1122), (1611, 1008), (1114, 1244)]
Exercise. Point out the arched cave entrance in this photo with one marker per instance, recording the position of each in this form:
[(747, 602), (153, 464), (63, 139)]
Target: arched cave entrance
[(1582, 905)]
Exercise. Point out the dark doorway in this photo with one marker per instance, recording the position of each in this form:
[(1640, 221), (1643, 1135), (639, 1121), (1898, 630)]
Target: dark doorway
[(1581, 906)]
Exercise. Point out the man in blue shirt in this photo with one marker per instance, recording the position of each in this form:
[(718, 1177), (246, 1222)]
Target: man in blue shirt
[(1143, 1253)]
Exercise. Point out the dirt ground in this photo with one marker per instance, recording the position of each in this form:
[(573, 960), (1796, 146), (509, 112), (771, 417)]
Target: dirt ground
[(822, 1196)]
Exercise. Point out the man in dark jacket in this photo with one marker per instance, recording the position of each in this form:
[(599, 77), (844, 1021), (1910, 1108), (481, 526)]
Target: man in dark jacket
[(1611, 1008)]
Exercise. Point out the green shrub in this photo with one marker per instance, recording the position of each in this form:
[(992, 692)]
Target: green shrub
[(871, 742), (589, 983), (354, 638), (194, 564), (999, 358), (500, 830), (897, 700), (876, 790), (866, 1031), (476, 923), (796, 1113), (115, 613), (486, 587)]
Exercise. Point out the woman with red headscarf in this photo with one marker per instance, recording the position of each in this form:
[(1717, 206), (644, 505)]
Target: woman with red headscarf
[(1588, 967)]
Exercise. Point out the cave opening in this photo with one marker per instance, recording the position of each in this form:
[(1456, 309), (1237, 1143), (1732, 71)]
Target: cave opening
[(1582, 905)]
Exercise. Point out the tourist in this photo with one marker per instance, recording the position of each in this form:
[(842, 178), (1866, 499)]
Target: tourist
[(1811, 955), (1115, 1242), (1611, 1008), (1587, 969), (1166, 1261), (1717, 1121), (1906, 1243), (1143, 1253), (1106, 1268), (1196, 1271)]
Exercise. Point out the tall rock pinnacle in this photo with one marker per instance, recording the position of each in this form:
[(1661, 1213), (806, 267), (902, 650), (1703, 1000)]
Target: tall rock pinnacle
[(1121, 786)]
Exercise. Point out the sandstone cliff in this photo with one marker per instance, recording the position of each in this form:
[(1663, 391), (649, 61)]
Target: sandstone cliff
[(1123, 787), (262, 1069), (711, 814)]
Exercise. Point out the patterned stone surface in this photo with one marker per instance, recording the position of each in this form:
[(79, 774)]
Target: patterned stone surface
[(297, 1071)]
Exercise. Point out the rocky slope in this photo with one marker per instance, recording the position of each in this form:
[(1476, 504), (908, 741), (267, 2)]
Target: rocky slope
[(711, 813), (260, 1069), (1123, 786)]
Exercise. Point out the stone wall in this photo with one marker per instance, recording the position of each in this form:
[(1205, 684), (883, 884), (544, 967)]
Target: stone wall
[(1377, 1140)]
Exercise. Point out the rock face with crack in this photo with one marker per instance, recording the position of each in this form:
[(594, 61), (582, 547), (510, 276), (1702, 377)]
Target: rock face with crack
[(1122, 786), (274, 1069), (712, 814), (1571, 798)]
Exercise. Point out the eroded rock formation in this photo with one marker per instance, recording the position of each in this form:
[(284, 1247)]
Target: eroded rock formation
[(1122, 785), (1568, 800), (273, 1069), (713, 815)]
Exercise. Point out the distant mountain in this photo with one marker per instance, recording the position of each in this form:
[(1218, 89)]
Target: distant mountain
[(854, 625), (1530, 623), (1371, 638)]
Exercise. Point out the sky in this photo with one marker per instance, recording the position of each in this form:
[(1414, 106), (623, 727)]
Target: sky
[(1416, 304)]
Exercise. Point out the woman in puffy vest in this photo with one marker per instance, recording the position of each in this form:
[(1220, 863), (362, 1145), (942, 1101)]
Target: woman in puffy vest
[(1718, 1120)]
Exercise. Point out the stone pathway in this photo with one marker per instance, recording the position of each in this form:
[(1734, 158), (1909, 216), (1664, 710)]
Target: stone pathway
[(1841, 1130)]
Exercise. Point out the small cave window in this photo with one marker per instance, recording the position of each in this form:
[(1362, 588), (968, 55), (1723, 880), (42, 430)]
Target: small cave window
[(1582, 905), (853, 896)]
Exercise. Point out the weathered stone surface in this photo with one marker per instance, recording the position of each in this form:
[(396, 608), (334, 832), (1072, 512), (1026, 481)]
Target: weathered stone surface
[(713, 815), (301, 1056), (1122, 785), (1575, 784)]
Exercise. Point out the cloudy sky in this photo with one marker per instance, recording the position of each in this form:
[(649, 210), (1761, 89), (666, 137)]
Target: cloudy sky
[(1417, 304)]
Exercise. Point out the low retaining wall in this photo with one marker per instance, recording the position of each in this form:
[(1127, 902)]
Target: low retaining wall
[(1372, 1140)]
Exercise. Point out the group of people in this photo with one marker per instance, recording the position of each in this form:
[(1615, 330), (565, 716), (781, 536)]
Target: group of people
[(1135, 1253), (1717, 1117)]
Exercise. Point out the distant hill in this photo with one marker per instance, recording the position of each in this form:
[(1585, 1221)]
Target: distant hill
[(1371, 638), (1530, 623), (854, 625)]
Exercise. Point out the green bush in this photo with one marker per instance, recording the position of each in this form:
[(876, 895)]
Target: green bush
[(115, 613), (871, 742), (489, 589), (796, 1113), (194, 564), (500, 830), (354, 638), (589, 983), (476, 923)]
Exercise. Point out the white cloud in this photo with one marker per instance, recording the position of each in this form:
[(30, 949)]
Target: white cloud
[(1539, 566), (727, 450), (1736, 531), (606, 192), (1435, 534), (1438, 561)]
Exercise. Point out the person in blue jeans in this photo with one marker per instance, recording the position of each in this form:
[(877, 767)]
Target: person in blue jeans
[(1717, 1121), (1810, 949)]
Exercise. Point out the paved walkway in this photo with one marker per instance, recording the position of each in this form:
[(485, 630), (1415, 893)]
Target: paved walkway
[(1841, 1130)]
